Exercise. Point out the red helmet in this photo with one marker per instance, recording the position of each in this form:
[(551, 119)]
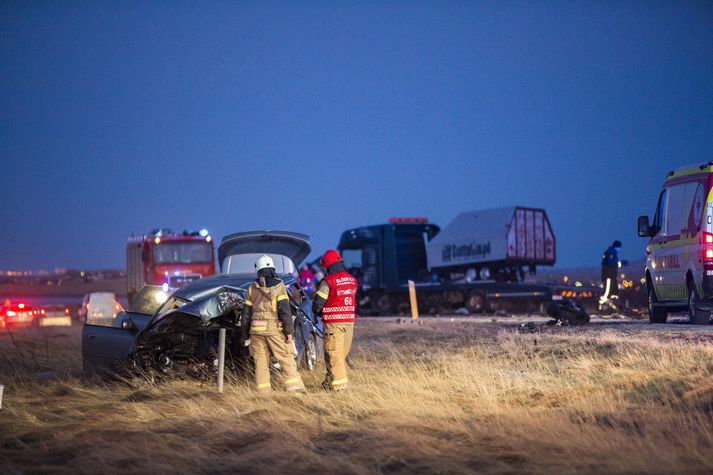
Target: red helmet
[(330, 257)]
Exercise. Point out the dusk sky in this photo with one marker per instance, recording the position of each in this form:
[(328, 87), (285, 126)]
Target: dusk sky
[(119, 117)]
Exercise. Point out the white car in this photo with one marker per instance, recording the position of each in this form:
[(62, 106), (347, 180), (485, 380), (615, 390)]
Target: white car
[(679, 254), (99, 307)]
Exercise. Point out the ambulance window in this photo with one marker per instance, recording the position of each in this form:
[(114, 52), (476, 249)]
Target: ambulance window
[(660, 212), (679, 208)]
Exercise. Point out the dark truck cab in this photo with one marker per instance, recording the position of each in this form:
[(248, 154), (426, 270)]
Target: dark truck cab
[(385, 257)]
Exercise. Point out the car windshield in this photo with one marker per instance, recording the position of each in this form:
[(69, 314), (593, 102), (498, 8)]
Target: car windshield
[(171, 304), (352, 258), (102, 299), (148, 300), (182, 252)]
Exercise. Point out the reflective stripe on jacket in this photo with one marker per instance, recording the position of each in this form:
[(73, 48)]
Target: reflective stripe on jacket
[(265, 302)]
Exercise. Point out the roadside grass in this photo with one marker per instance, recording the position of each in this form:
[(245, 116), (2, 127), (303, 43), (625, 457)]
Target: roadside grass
[(437, 398)]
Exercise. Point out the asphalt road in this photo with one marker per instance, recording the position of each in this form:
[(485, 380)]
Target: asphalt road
[(678, 328)]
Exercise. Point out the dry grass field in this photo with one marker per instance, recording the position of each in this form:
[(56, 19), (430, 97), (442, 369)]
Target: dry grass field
[(438, 398)]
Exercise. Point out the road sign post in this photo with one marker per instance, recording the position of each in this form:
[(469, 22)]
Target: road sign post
[(414, 303), (221, 359)]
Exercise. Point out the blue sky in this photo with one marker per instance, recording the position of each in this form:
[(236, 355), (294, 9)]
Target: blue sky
[(118, 117)]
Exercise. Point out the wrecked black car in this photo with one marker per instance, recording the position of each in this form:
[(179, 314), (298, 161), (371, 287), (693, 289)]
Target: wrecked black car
[(178, 334)]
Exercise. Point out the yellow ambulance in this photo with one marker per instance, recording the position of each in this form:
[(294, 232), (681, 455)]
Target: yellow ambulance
[(679, 255)]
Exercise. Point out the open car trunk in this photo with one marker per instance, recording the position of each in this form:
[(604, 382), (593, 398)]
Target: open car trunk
[(239, 251)]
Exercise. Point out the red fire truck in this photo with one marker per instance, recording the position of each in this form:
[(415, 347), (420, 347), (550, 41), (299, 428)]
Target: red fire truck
[(170, 260)]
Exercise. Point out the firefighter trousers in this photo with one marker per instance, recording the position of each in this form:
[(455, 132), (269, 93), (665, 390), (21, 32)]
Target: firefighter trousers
[(337, 344), (261, 346)]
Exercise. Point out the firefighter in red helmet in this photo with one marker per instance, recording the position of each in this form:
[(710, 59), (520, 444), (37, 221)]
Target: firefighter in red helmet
[(335, 303)]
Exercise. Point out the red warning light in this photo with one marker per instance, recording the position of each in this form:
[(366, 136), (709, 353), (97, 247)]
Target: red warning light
[(408, 220)]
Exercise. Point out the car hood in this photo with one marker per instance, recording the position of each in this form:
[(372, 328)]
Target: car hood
[(208, 286), (207, 299), (210, 305), (294, 246)]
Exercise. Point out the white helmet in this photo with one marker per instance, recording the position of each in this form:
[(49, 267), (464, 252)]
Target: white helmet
[(264, 262)]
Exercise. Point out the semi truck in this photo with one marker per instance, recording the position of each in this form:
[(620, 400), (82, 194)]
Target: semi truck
[(449, 272), (167, 259)]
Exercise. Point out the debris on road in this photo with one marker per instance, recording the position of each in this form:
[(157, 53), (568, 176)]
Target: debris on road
[(529, 327), (567, 312)]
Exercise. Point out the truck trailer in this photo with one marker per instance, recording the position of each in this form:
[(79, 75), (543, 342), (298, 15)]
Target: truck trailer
[(497, 244), (385, 257)]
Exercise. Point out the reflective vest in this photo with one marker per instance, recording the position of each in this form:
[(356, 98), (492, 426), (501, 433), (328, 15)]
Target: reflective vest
[(264, 302), (340, 306)]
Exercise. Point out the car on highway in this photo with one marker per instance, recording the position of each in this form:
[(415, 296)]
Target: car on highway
[(19, 314), (53, 315), (99, 307), (178, 333)]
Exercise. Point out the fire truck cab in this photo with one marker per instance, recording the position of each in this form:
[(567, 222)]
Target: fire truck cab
[(168, 259), (679, 254)]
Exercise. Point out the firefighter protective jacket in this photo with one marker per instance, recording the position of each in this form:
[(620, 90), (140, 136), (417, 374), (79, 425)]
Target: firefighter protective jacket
[(266, 310)]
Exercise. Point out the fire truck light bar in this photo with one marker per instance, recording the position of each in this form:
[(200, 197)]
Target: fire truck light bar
[(408, 220)]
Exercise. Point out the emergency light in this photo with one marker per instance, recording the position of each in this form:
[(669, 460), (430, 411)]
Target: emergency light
[(408, 220)]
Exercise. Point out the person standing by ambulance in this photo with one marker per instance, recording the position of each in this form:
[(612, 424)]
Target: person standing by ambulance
[(335, 303), (610, 273), (267, 327)]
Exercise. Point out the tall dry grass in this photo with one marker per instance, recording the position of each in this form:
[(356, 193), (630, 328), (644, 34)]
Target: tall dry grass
[(438, 398)]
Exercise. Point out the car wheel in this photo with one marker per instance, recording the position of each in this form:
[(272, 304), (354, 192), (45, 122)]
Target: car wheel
[(656, 314), (476, 302), (309, 354), (696, 317)]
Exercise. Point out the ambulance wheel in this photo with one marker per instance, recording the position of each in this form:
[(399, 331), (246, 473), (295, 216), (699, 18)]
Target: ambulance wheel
[(476, 302), (696, 317), (656, 314)]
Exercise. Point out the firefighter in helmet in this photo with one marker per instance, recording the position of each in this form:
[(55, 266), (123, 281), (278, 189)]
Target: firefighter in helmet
[(335, 303), (267, 327)]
